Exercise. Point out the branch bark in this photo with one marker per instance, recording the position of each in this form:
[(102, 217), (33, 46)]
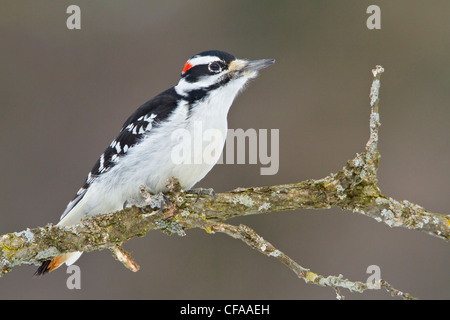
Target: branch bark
[(353, 188)]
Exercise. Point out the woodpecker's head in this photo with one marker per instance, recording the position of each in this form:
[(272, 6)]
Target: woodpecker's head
[(210, 70)]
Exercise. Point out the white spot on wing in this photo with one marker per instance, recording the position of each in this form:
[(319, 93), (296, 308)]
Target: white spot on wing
[(130, 127), (81, 191), (101, 167)]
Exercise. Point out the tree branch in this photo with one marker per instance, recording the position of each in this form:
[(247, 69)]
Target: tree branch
[(352, 188)]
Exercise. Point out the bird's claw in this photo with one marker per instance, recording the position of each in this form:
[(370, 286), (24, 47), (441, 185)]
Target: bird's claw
[(203, 191), (158, 200)]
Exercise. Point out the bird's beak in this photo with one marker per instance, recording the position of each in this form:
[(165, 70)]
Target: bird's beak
[(249, 68), (256, 65)]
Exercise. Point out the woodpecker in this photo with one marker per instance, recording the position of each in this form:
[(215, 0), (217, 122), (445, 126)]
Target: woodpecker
[(142, 152)]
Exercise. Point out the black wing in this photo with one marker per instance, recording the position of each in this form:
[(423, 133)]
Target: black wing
[(147, 116)]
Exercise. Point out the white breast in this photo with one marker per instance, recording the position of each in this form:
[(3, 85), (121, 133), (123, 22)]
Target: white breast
[(151, 162)]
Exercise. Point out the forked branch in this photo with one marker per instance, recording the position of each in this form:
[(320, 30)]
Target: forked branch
[(352, 188)]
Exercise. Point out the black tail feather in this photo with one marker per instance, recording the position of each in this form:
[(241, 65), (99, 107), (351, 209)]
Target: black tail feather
[(43, 269)]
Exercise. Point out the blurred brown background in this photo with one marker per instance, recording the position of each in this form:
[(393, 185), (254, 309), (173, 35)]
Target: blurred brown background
[(64, 95)]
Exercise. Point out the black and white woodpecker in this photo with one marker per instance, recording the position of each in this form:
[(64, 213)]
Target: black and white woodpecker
[(141, 153)]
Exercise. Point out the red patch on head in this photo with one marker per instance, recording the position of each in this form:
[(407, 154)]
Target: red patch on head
[(187, 66)]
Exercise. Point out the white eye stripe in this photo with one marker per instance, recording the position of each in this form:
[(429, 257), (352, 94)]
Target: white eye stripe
[(202, 60)]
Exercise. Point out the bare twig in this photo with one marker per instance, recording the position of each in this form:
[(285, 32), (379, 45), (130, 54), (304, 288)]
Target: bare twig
[(255, 241), (120, 254), (396, 293)]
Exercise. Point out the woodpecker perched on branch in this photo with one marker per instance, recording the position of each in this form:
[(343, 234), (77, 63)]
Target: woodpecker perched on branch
[(143, 152)]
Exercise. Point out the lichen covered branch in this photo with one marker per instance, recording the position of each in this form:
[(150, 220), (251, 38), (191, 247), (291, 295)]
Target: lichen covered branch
[(255, 241), (353, 188)]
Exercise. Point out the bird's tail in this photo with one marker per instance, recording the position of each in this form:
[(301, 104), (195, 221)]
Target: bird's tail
[(72, 215), (56, 262)]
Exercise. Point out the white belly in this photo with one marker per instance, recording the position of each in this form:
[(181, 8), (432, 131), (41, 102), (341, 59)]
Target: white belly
[(161, 155)]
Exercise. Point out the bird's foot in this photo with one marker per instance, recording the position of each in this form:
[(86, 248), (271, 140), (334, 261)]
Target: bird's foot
[(203, 191), (147, 198)]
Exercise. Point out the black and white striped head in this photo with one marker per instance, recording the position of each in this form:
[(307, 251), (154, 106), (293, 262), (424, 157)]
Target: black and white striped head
[(210, 70)]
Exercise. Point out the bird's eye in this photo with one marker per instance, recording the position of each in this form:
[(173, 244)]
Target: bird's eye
[(215, 67)]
